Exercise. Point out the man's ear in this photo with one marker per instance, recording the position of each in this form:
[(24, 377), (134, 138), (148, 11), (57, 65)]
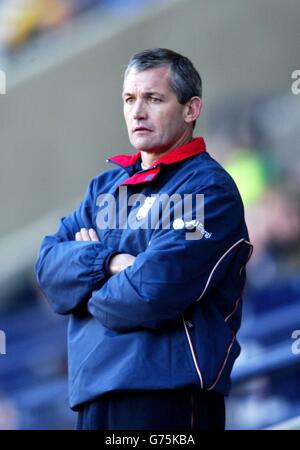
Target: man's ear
[(192, 109)]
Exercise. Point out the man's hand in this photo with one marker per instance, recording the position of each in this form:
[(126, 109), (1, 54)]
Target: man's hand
[(118, 262), (86, 235)]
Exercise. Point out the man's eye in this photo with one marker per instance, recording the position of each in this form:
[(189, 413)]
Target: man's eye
[(128, 100), (155, 100)]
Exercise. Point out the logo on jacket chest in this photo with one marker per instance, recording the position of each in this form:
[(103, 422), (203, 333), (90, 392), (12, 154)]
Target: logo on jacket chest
[(144, 209)]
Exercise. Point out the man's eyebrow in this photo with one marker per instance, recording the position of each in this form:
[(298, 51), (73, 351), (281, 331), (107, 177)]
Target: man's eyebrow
[(145, 94), (153, 93)]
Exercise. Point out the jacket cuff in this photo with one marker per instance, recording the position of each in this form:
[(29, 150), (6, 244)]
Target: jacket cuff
[(100, 266), (107, 263)]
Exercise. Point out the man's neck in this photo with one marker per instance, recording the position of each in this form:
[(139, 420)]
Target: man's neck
[(149, 158)]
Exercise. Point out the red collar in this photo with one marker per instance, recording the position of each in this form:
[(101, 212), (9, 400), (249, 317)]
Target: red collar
[(194, 147)]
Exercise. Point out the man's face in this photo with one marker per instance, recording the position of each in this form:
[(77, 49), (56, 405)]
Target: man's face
[(154, 118)]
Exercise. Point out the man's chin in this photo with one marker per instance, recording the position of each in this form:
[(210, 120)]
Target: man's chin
[(142, 145)]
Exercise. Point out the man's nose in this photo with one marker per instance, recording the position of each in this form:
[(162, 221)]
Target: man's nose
[(139, 110)]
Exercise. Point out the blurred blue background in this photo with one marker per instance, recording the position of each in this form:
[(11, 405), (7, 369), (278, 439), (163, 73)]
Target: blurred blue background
[(61, 117)]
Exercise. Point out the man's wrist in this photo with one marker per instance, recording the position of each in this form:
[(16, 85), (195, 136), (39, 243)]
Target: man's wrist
[(107, 264)]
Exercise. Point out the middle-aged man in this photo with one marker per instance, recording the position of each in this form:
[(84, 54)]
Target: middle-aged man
[(151, 267)]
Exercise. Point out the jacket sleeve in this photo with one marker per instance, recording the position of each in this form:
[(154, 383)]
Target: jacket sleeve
[(174, 271), (68, 270)]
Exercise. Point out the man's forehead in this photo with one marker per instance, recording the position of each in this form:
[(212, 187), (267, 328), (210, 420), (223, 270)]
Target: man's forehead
[(149, 80)]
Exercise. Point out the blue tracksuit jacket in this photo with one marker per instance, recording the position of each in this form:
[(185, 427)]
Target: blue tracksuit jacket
[(170, 320)]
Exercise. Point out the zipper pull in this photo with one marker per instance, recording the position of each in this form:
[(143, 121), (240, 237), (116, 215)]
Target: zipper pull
[(189, 325)]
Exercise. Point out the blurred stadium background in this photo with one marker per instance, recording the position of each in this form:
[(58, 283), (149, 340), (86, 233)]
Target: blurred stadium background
[(61, 117)]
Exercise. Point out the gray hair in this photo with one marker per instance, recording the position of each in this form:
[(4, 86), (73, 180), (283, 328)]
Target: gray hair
[(184, 81)]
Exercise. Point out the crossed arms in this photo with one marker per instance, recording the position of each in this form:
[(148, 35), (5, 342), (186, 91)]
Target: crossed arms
[(124, 292), (117, 262)]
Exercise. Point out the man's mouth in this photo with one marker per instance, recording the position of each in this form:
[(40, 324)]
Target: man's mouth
[(141, 129)]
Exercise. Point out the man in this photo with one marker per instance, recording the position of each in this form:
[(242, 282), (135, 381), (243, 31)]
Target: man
[(151, 276)]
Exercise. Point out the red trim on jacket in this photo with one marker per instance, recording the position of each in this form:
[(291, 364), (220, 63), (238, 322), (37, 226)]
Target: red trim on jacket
[(192, 148), (125, 160)]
